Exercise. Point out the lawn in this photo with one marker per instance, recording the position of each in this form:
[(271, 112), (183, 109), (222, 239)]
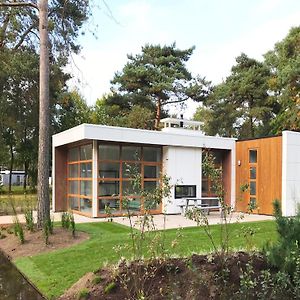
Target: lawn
[(54, 272)]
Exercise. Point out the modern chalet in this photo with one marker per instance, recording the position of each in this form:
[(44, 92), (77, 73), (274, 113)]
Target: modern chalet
[(90, 165), (90, 162)]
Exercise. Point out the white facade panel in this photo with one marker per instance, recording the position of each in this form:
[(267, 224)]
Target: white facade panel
[(290, 172), (183, 166)]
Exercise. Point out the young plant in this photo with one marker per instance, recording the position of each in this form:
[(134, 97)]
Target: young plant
[(72, 224), (145, 239), (18, 230), (108, 211), (29, 219), (199, 216)]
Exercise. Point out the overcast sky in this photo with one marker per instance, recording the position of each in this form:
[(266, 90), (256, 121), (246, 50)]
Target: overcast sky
[(219, 29)]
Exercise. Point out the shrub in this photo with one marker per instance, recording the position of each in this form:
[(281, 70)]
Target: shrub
[(97, 279), (72, 224), (68, 222), (285, 252), (18, 230), (29, 219)]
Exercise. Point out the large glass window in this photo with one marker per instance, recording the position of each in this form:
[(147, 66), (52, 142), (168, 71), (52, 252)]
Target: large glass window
[(253, 177), (80, 178), (117, 165)]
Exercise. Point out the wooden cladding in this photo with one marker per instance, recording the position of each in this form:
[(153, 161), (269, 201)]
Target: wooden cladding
[(258, 174)]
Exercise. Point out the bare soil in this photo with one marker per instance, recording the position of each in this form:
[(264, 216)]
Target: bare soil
[(35, 242), (200, 277)]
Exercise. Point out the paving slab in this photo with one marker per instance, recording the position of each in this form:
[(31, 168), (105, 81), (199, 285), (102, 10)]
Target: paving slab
[(161, 221)]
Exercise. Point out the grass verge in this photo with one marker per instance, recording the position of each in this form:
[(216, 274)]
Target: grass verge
[(55, 272)]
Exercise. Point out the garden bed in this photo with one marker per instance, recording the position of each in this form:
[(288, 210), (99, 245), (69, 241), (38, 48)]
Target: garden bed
[(196, 277), (35, 242)]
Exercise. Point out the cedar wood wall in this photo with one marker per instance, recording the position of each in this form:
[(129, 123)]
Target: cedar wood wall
[(269, 173)]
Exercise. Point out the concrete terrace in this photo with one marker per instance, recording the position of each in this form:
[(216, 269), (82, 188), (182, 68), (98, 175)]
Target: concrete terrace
[(161, 221)]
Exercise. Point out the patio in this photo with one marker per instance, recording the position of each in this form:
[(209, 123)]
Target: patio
[(161, 221)]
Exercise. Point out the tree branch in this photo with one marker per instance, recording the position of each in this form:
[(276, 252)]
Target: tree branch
[(24, 35), (19, 4)]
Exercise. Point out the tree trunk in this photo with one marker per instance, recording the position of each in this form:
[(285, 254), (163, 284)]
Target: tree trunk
[(25, 176), (158, 115), (11, 165), (44, 142)]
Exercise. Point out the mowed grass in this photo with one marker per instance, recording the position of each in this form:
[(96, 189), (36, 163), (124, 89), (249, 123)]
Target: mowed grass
[(55, 272)]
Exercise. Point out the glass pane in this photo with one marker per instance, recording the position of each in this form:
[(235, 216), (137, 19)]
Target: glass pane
[(128, 189), (253, 156), (130, 170), (131, 204), (86, 205), (73, 203), (218, 157), (109, 152), (152, 154), (73, 187), (86, 152), (113, 206), (150, 185), (73, 171), (73, 154), (252, 172), (109, 170), (86, 170), (252, 188), (204, 187), (182, 191), (151, 171), (109, 188), (131, 153), (86, 187)]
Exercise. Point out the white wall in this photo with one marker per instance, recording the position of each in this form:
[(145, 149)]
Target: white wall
[(183, 165), (290, 172)]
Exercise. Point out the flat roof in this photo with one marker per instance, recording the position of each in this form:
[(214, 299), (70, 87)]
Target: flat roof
[(180, 138)]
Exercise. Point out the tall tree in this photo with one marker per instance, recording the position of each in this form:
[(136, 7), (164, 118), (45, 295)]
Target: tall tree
[(71, 110), (158, 76), (284, 64), (240, 106), (19, 27)]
